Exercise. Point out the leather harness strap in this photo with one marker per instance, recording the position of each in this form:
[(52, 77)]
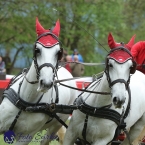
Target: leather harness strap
[(22, 105), (85, 129), (19, 102), (101, 112), (104, 112)]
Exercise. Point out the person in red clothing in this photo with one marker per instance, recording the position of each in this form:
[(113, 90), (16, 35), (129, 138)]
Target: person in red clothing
[(138, 52), (67, 66), (2, 65)]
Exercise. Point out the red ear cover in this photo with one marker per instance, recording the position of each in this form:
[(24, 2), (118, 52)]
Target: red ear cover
[(47, 40), (131, 42), (39, 29), (56, 29), (112, 43)]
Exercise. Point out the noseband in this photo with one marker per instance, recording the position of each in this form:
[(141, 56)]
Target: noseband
[(132, 70)]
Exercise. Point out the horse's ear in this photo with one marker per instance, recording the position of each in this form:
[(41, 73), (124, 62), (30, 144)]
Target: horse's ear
[(56, 29), (131, 42), (111, 41), (39, 29)]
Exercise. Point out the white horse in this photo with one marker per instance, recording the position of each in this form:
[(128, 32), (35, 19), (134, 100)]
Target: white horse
[(95, 121), (37, 86)]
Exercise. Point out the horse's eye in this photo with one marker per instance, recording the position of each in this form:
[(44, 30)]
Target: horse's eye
[(37, 51), (110, 65)]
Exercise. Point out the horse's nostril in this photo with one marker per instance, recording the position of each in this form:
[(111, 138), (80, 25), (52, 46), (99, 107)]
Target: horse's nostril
[(115, 100), (41, 82), (46, 84)]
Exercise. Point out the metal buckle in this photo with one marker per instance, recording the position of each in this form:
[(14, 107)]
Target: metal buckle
[(17, 102), (95, 110), (52, 107), (25, 70)]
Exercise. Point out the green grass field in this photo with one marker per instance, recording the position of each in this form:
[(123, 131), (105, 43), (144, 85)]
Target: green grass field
[(33, 142)]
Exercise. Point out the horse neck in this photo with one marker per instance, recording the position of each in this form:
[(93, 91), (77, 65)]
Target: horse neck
[(28, 91), (98, 100)]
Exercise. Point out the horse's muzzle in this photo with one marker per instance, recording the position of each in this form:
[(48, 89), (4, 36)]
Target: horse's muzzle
[(44, 87), (117, 102)]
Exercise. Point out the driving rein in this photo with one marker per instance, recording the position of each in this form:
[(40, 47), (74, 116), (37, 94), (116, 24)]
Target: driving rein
[(53, 108)]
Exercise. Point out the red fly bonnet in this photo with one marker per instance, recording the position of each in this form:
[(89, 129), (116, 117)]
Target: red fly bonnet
[(120, 52), (48, 38)]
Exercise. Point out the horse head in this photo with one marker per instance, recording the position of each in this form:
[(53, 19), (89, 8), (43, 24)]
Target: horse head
[(47, 52), (119, 65)]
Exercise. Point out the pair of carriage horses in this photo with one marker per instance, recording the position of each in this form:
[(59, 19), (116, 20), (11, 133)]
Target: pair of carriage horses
[(110, 104)]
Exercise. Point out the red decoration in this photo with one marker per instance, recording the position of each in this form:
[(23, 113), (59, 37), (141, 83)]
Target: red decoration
[(112, 44), (120, 56), (48, 40)]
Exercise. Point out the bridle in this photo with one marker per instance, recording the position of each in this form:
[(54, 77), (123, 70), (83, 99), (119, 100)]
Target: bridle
[(132, 69), (37, 67)]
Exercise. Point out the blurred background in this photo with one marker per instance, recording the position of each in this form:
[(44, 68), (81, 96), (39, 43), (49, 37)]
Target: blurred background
[(85, 25)]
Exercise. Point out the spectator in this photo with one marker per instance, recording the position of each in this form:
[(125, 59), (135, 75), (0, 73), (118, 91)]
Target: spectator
[(63, 59), (64, 55), (67, 66), (7, 61), (80, 58), (2, 65), (77, 69), (138, 52)]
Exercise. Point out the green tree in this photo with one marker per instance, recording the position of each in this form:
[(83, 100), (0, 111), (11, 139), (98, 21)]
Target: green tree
[(85, 25)]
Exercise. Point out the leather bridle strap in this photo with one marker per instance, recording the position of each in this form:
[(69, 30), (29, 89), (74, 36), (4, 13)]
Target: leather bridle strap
[(119, 81), (33, 82), (107, 69), (129, 103), (38, 68), (47, 65)]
